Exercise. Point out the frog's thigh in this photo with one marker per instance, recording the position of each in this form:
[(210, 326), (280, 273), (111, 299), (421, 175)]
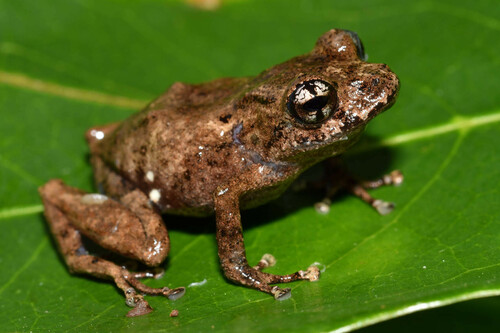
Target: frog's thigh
[(70, 243), (66, 211), (129, 227)]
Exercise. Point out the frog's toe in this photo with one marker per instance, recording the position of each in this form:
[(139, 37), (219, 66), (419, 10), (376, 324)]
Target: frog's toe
[(268, 260), (281, 294), (323, 207), (395, 178), (174, 294), (312, 274), (383, 207)]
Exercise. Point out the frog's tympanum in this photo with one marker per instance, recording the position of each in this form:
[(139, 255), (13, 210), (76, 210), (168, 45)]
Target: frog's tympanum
[(217, 148)]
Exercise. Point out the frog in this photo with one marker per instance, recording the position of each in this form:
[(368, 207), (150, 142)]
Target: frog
[(214, 149)]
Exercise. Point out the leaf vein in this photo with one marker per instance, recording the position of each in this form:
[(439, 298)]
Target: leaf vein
[(28, 262), (7, 213), (19, 171), (460, 124), (417, 196), (24, 81)]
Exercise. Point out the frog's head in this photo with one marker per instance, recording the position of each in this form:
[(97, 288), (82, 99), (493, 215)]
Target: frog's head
[(322, 100)]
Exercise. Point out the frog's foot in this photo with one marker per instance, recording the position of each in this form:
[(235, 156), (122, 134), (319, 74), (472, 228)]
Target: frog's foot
[(125, 280), (359, 189), (231, 248), (394, 178), (268, 260), (338, 177), (171, 294), (253, 277)]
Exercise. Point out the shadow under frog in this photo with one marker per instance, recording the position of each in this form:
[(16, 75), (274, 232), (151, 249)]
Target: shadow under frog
[(216, 148)]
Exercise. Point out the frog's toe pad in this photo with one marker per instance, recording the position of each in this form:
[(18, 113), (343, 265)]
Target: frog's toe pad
[(174, 294), (268, 260), (383, 207), (323, 207), (281, 294), (395, 178), (312, 273)]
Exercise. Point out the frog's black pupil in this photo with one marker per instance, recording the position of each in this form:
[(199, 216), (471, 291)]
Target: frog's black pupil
[(306, 106), (316, 104)]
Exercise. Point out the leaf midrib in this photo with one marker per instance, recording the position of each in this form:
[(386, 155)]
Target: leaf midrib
[(23, 81)]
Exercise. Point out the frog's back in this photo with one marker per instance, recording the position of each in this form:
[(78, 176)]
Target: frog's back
[(172, 149)]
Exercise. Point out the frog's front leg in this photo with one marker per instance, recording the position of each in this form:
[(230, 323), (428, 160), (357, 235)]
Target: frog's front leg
[(231, 249), (128, 226)]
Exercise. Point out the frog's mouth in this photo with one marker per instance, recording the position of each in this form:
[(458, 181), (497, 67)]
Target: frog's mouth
[(381, 107), (313, 151)]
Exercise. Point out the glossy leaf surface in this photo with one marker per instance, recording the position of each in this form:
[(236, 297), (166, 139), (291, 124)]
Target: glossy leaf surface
[(68, 65)]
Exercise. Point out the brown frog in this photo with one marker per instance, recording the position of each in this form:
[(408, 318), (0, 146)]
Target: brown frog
[(218, 147)]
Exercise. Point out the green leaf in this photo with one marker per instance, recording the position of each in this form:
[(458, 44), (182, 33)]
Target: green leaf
[(67, 65)]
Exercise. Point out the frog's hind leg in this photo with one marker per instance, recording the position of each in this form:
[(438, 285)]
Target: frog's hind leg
[(128, 227)]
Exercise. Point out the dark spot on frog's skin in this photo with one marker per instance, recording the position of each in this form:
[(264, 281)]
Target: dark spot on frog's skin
[(361, 84), (254, 139), (211, 163), (64, 234), (352, 121), (376, 81), (277, 134), (187, 175), (321, 138), (95, 260), (251, 99), (144, 122), (143, 150), (278, 130), (303, 139), (220, 147), (225, 119)]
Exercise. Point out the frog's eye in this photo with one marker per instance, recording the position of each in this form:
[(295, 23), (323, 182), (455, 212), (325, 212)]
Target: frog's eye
[(360, 50), (312, 101)]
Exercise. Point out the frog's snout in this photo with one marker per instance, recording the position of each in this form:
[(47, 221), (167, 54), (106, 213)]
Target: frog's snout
[(379, 91), (393, 89)]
